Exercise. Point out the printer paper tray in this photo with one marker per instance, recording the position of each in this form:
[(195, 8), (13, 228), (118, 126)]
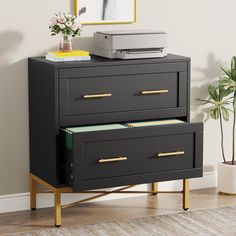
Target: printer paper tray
[(140, 53)]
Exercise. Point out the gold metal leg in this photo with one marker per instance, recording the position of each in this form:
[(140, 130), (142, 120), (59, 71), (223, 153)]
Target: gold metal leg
[(155, 188), (186, 194), (57, 207), (34, 180), (32, 185)]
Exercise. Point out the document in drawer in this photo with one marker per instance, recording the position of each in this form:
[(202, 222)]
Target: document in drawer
[(154, 122), (90, 128)]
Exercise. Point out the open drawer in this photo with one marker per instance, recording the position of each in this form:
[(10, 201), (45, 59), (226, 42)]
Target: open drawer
[(98, 157)]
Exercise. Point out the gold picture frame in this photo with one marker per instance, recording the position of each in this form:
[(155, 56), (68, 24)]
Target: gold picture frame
[(77, 9)]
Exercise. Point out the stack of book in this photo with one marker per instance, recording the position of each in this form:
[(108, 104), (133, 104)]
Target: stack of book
[(75, 55)]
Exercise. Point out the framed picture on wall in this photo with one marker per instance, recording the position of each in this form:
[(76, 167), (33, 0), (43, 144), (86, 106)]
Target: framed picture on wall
[(105, 11)]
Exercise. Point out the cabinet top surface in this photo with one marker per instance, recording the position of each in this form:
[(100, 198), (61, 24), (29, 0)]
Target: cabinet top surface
[(102, 61)]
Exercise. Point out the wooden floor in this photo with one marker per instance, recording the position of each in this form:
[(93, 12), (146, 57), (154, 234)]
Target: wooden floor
[(113, 210)]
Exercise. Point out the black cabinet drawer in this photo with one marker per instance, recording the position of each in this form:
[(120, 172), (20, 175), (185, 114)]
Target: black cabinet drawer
[(131, 69), (143, 152), (81, 96)]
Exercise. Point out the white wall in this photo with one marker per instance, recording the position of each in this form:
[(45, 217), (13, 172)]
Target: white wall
[(203, 30)]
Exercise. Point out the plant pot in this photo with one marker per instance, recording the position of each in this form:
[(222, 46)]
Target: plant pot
[(226, 178)]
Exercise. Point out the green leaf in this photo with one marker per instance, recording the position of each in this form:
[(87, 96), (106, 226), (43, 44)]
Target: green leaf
[(221, 92), (224, 81), (227, 82), (213, 92), (205, 101), (226, 70), (224, 92), (233, 74), (225, 113), (230, 90), (217, 113), (233, 63), (214, 113)]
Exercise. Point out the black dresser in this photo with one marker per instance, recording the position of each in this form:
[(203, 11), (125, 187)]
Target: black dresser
[(104, 91)]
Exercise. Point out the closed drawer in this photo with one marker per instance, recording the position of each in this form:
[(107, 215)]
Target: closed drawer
[(122, 70), (94, 95), (126, 152)]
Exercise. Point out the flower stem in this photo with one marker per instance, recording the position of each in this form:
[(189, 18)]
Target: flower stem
[(233, 147), (222, 138)]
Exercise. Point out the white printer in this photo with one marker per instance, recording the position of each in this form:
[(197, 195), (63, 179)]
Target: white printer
[(130, 44)]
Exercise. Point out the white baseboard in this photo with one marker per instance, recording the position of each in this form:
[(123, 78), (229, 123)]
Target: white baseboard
[(20, 202)]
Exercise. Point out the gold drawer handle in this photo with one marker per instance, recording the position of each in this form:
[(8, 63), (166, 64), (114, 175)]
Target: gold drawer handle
[(166, 154), (155, 91), (100, 95), (113, 159)]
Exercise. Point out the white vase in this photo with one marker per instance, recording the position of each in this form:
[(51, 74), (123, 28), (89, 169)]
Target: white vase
[(226, 178)]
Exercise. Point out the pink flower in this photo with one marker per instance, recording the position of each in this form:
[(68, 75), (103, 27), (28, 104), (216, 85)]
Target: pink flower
[(61, 19), (78, 24), (77, 21), (75, 26), (53, 21)]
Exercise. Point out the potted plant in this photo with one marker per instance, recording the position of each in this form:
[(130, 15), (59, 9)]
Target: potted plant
[(221, 103), (67, 26)]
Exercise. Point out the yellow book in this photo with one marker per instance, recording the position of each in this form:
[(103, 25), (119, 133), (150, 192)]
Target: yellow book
[(60, 54)]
